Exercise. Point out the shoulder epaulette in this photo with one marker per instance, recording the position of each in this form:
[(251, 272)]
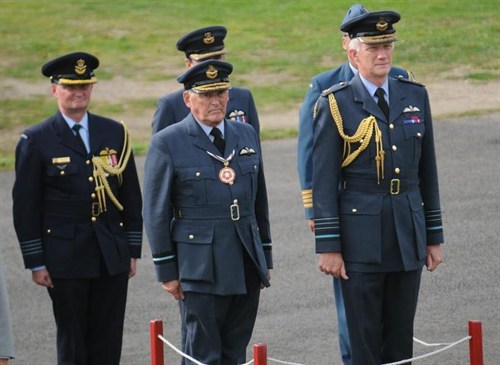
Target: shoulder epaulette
[(334, 88), (411, 80)]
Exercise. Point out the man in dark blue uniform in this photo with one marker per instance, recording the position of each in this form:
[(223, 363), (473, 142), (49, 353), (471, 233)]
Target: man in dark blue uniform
[(320, 82), (200, 45), (376, 200), (77, 214), (206, 217)]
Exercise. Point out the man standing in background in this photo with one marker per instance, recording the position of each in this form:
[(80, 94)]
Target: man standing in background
[(201, 45)]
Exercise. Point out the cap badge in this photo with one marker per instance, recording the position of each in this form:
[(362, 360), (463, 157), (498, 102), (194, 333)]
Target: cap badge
[(382, 25), (211, 72), (208, 38), (80, 67)]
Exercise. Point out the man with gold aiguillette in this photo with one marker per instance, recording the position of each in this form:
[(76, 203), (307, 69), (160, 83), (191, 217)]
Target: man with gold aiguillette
[(77, 214), (377, 213)]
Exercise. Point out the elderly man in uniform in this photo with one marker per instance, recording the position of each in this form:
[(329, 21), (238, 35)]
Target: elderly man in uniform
[(201, 45), (77, 214), (376, 201), (320, 82), (206, 217)]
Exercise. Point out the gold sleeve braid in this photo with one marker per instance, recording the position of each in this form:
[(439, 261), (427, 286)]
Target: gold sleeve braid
[(102, 170), (362, 135)]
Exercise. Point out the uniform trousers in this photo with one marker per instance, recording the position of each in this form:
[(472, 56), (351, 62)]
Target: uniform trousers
[(89, 315), (344, 343), (216, 329), (380, 309)]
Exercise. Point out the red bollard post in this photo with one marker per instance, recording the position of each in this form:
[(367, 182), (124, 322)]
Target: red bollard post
[(155, 329), (260, 354), (476, 343)]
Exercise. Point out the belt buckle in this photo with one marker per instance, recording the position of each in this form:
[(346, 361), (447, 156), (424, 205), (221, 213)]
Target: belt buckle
[(234, 210), (395, 186), (96, 209)]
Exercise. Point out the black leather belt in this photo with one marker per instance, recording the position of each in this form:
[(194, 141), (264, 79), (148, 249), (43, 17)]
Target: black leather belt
[(233, 211), (76, 208), (393, 186)]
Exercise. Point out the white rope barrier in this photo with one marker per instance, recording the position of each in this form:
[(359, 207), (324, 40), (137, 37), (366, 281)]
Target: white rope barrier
[(179, 351), (447, 346), (430, 353)]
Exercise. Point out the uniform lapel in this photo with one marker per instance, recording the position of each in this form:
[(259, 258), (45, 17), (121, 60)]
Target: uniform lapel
[(201, 140), (361, 95), (396, 99), (66, 135), (231, 138), (96, 135)]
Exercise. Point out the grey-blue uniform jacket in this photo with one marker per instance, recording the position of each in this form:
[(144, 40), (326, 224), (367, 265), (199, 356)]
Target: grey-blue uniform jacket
[(198, 226), (377, 227), (172, 109), (55, 206), (318, 84)]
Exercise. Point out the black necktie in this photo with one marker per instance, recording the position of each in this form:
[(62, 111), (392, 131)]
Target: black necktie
[(76, 128), (218, 140), (381, 102)]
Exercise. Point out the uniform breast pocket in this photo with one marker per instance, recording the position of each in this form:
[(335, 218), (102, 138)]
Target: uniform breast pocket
[(361, 227), (249, 168), (61, 177), (413, 134), (196, 182), (59, 247), (194, 250)]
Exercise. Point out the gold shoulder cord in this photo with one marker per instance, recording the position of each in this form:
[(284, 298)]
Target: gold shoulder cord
[(363, 135), (102, 170)]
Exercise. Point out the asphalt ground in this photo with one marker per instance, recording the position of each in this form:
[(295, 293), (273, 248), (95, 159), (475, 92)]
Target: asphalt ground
[(296, 317)]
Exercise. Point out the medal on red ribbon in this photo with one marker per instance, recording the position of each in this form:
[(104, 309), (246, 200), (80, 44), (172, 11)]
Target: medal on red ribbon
[(226, 175)]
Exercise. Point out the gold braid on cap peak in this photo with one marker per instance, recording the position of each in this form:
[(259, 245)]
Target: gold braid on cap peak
[(102, 170), (362, 135), (64, 81), (216, 86)]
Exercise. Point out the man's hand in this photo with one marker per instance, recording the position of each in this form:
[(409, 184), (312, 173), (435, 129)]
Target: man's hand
[(133, 268), (310, 223), (434, 257), (332, 263), (173, 287), (42, 277)]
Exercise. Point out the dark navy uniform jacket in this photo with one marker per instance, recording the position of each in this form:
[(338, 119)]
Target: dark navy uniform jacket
[(56, 216), (172, 109), (202, 244), (318, 84), (375, 230)]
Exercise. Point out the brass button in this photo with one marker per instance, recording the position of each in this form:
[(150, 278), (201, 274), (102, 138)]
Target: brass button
[(419, 134), (397, 170), (121, 224), (93, 195), (49, 231), (91, 178), (354, 210), (191, 237), (87, 162), (198, 174), (93, 219), (255, 167), (394, 148), (62, 173), (391, 126)]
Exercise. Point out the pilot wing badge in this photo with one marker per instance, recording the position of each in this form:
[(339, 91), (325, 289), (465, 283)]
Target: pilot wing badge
[(247, 151)]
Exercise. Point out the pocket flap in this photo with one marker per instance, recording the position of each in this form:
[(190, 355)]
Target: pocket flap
[(367, 204), (196, 232), (196, 173)]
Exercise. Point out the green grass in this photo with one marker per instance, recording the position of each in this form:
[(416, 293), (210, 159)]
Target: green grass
[(274, 45)]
